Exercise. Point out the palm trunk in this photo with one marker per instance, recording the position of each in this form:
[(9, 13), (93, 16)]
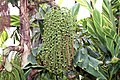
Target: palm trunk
[(24, 31)]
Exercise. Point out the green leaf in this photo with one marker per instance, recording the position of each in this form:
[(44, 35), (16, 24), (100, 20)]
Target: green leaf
[(8, 66), (27, 73), (3, 37), (88, 63), (8, 75), (90, 26), (34, 51), (21, 73), (85, 4), (32, 66), (32, 59), (77, 58), (15, 23), (110, 45), (15, 20), (16, 74), (6, 52), (11, 76), (41, 12), (75, 9), (1, 75), (97, 18), (109, 14)]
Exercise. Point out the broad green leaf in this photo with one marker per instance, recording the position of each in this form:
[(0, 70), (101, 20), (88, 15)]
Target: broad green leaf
[(8, 66), (90, 26), (95, 30), (35, 36), (107, 7), (106, 21), (41, 13), (21, 73), (6, 52), (85, 4), (12, 77), (85, 63), (77, 58), (116, 67), (75, 9), (96, 72), (1, 75), (3, 37), (101, 47), (34, 51), (110, 45), (97, 18), (32, 59), (16, 74), (109, 33), (91, 51), (117, 49), (8, 75), (88, 63), (76, 45)]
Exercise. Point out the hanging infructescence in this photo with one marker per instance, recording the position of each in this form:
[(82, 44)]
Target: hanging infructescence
[(58, 40), (4, 15)]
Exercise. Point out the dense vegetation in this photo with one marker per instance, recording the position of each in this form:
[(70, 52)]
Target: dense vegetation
[(61, 47)]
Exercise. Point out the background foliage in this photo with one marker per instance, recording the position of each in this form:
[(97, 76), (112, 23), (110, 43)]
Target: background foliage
[(96, 44)]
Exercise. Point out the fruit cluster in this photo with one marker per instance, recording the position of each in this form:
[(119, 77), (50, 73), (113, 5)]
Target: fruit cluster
[(58, 39)]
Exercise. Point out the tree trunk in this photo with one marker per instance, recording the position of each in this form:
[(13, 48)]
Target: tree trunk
[(4, 15), (24, 31)]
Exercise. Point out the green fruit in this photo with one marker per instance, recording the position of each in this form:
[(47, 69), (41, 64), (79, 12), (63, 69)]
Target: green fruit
[(58, 24)]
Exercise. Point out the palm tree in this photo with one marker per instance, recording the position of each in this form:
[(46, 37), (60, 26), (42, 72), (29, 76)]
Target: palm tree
[(24, 30)]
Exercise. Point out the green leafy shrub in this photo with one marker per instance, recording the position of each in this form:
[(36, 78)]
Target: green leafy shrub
[(99, 42)]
